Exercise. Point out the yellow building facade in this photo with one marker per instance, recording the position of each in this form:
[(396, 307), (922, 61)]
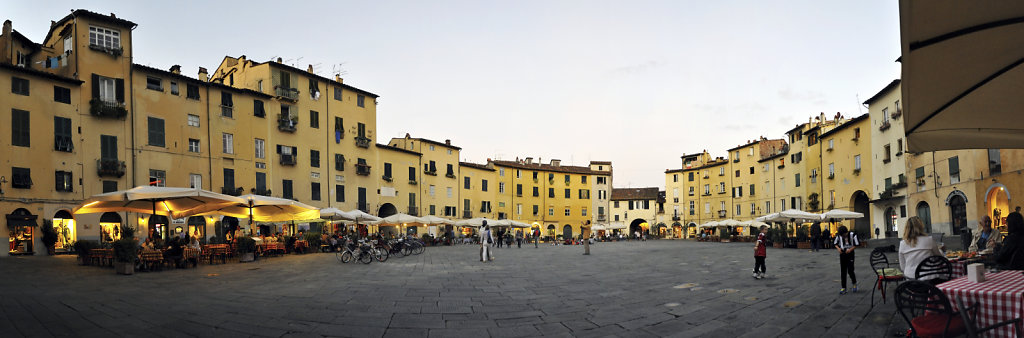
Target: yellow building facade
[(849, 186)]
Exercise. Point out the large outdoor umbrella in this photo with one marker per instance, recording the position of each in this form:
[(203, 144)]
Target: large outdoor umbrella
[(962, 74), (360, 216), (773, 217), (267, 209), (332, 213), (431, 219), (798, 215), (475, 222), (836, 214), (167, 201)]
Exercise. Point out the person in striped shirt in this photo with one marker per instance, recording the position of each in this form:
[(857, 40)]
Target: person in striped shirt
[(845, 242)]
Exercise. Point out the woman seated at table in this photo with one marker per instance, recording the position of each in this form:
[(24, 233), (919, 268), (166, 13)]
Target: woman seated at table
[(1011, 254), (148, 244), (915, 247), (986, 238)]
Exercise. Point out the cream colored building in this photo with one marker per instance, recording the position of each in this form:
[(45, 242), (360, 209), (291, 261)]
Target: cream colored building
[(889, 209), (634, 209)]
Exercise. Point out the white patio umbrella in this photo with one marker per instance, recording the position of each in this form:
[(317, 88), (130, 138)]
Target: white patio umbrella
[(431, 219), (773, 217), (332, 213), (401, 218), (360, 216), (518, 224), (963, 63), (475, 222), (168, 201), (261, 208), (729, 222), (798, 215), (837, 214)]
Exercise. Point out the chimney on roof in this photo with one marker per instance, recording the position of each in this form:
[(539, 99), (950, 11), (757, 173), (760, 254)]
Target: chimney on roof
[(407, 135), (176, 69), (113, 16), (278, 60), (7, 27), (53, 23), (310, 69), (242, 61), (337, 77), (203, 75), (556, 163), (529, 160), (448, 142)]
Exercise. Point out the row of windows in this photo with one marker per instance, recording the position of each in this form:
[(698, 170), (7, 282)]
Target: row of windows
[(22, 86)]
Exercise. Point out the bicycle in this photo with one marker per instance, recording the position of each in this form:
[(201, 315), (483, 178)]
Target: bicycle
[(352, 251)]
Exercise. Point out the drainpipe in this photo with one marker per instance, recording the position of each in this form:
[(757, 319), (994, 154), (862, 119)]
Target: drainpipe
[(131, 92)]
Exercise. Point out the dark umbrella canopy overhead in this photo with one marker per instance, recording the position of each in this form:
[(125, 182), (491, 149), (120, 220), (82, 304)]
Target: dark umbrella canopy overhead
[(963, 74)]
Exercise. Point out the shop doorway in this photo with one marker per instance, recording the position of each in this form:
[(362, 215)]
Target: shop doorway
[(110, 227), (997, 205), (197, 227), (958, 214), (158, 225), (891, 230), (677, 230), (860, 204), (64, 226), (229, 225), (22, 227), (925, 213), (567, 232), (551, 230)]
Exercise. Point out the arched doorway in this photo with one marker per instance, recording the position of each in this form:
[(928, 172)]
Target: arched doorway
[(660, 230), (637, 227), (21, 225), (691, 229), (677, 229), (551, 230), (110, 222), (197, 227), (387, 209), (158, 225), (957, 213), (64, 226), (566, 231), (997, 205), (890, 223), (229, 225), (925, 213), (859, 203)]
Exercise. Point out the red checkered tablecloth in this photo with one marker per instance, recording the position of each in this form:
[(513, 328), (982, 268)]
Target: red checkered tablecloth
[(1001, 297), (960, 265)]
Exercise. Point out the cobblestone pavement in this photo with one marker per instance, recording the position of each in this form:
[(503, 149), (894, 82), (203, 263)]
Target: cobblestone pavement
[(653, 288)]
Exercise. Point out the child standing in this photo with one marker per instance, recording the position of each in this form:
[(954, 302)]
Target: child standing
[(760, 252), (846, 241)]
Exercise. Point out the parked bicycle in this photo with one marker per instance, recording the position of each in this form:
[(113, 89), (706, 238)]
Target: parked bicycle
[(360, 251)]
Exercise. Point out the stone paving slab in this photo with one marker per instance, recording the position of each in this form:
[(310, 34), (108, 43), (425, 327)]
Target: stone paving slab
[(626, 289)]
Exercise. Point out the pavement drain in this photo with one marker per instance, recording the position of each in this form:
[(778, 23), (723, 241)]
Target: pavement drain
[(791, 304), (685, 286), (672, 304), (728, 291)]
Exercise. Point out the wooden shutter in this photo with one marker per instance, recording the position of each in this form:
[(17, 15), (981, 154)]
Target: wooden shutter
[(120, 90), (95, 86)]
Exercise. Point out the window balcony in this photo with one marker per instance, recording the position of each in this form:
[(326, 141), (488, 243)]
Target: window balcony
[(413, 182), (450, 175), (286, 93), (232, 191), (261, 192), (831, 175), (362, 169), (676, 218), (110, 167), (362, 142), (113, 51), (63, 143), (414, 211), (602, 218), (885, 125), (721, 213), (287, 159), (896, 114), (467, 214), (856, 171), (285, 122), (385, 178), (111, 109)]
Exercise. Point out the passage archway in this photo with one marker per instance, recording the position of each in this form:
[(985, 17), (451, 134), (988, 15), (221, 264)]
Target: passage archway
[(566, 231), (925, 213), (890, 223), (637, 227), (22, 224), (957, 213), (551, 230), (387, 209), (859, 203), (997, 205)]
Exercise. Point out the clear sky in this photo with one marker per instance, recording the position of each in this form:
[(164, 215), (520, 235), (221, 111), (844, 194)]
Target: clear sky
[(639, 83)]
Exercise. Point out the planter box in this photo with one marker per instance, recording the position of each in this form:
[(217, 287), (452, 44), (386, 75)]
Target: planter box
[(777, 245), (124, 268), (803, 245), (247, 257)]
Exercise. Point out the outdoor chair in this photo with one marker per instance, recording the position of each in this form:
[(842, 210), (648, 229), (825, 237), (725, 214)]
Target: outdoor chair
[(927, 310), (885, 272), (936, 269), (969, 315)]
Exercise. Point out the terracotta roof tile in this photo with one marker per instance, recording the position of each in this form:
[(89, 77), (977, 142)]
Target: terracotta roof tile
[(622, 194)]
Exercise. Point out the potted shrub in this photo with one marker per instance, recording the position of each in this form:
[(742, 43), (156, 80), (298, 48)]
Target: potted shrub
[(82, 250), (802, 237), (314, 240), (246, 248), (427, 240), (125, 251), (777, 236), (49, 237)]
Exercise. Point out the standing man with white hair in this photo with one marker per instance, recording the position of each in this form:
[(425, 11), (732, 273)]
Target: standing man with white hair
[(485, 243)]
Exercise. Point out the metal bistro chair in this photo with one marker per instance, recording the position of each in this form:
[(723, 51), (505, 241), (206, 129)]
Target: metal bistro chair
[(885, 272), (969, 315), (935, 270), (927, 310)]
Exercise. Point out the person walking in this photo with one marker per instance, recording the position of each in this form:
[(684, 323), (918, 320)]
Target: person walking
[(536, 237), (846, 241), (519, 239), (485, 243), (760, 253), (500, 238), (815, 236)]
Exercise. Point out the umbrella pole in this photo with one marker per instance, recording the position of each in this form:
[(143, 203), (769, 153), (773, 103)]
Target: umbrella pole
[(250, 218)]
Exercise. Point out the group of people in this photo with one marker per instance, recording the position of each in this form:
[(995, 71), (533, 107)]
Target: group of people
[(916, 246)]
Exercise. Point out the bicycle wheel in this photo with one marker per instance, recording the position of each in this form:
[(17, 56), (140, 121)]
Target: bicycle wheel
[(346, 256), (381, 254), (365, 257), (338, 256), (420, 248), (407, 249)]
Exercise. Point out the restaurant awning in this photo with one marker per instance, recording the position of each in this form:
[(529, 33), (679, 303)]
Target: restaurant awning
[(962, 74)]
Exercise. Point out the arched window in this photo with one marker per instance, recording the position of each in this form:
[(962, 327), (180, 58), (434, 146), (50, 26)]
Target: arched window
[(891, 229), (567, 231), (925, 213), (958, 214)]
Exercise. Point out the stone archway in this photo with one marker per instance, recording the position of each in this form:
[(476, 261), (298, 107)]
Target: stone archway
[(64, 226), (957, 213), (997, 204), (637, 226), (21, 224), (567, 232), (386, 209), (891, 230), (108, 222), (859, 202), (551, 230)]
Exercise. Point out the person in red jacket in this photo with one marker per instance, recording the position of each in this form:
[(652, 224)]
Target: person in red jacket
[(760, 252)]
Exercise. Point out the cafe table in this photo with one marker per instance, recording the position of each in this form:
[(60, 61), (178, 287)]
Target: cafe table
[(960, 265), (1000, 296)]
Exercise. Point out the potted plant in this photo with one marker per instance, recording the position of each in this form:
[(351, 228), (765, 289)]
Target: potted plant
[(125, 251), (777, 236), (49, 237), (82, 249), (802, 237), (246, 248)]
